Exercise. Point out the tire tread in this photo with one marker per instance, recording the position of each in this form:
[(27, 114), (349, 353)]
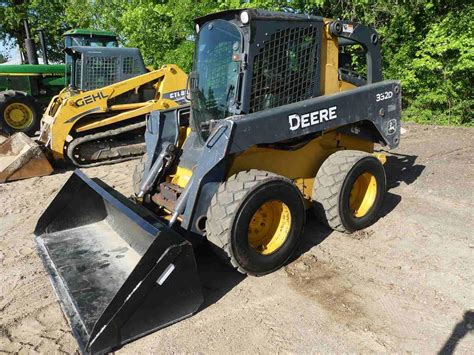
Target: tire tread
[(138, 173), (224, 206), (328, 184)]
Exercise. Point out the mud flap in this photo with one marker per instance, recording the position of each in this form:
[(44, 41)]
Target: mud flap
[(22, 158), (118, 271)]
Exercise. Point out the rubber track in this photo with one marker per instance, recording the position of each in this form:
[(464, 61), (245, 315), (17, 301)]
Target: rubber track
[(328, 184), (77, 141), (224, 207)]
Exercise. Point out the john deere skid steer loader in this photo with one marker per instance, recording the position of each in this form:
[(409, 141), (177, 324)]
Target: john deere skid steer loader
[(278, 123), (100, 117)]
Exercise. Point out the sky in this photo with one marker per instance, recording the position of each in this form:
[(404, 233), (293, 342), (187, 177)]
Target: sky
[(12, 54)]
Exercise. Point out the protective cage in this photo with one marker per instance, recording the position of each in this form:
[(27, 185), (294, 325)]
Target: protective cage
[(285, 68), (99, 67), (119, 273)]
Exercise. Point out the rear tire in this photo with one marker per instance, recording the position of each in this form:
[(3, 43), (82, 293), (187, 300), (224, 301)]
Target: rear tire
[(19, 112), (348, 190), (255, 221)]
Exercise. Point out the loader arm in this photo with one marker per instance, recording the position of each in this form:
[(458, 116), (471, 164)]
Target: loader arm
[(67, 119)]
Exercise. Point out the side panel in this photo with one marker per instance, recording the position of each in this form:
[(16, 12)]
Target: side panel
[(379, 104), (300, 164), (17, 83)]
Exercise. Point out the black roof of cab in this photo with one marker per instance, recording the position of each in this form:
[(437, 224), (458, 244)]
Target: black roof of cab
[(256, 14)]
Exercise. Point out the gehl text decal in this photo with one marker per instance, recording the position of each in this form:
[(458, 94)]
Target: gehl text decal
[(86, 100)]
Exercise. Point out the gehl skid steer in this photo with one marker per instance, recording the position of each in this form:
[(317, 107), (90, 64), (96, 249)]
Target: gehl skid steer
[(276, 125), (99, 118)]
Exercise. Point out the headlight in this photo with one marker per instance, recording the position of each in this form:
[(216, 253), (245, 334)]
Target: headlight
[(244, 17)]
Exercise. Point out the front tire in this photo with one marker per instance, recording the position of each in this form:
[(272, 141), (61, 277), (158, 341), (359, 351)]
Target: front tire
[(348, 190), (255, 221), (138, 173), (19, 112)]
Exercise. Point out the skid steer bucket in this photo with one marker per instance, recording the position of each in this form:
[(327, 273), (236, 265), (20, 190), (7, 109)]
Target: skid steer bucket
[(22, 158), (118, 271)]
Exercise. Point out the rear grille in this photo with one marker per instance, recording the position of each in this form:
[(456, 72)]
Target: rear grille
[(284, 70), (99, 72)]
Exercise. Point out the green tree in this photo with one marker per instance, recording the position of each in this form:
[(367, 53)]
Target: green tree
[(160, 29), (427, 44), (49, 15), (3, 58)]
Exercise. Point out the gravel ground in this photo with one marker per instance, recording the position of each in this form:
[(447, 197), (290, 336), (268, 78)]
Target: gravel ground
[(404, 284)]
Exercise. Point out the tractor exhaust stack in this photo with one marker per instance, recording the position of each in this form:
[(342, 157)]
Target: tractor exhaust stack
[(44, 47), (30, 47)]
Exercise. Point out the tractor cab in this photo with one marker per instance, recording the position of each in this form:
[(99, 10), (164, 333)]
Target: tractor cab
[(92, 68), (247, 61)]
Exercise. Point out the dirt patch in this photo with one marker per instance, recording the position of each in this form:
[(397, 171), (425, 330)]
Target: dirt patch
[(362, 234), (325, 284)]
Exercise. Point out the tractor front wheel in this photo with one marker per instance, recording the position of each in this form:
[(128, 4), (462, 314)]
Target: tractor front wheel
[(19, 113), (255, 221)]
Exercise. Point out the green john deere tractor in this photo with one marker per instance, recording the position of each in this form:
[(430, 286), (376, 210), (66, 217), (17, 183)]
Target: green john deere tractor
[(26, 89)]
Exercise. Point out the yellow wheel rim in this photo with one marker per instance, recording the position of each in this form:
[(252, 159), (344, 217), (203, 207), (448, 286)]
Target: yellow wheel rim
[(269, 227), (363, 194), (18, 115)]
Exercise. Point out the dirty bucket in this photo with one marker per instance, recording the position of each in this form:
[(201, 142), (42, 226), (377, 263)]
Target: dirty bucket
[(118, 271)]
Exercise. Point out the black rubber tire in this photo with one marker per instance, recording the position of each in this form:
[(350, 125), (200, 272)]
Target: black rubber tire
[(138, 173), (230, 212), (333, 184), (10, 97)]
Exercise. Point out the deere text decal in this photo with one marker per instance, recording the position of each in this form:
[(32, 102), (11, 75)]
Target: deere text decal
[(312, 118)]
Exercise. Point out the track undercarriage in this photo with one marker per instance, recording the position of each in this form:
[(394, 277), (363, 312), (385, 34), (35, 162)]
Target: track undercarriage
[(107, 147)]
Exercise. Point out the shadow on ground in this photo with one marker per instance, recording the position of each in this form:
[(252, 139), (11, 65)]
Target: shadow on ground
[(402, 168), (399, 168), (218, 279), (461, 329)]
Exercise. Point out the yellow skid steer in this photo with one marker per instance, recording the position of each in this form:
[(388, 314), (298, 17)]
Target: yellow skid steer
[(100, 117), (278, 123)]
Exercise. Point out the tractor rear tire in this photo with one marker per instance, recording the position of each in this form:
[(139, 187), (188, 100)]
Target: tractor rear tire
[(19, 112), (348, 190), (138, 173), (255, 221)]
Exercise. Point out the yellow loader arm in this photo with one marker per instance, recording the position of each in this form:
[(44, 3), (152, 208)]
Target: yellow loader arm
[(91, 110)]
